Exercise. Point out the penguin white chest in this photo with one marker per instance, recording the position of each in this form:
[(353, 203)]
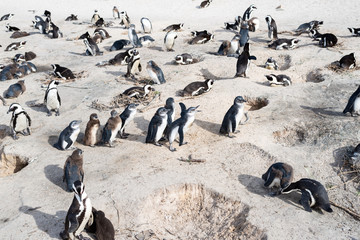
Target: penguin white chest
[(135, 66), (239, 116), (275, 183), (188, 123), (21, 123), (234, 46), (169, 42), (93, 134), (357, 105), (73, 137), (161, 128), (52, 100), (153, 75), (87, 207), (146, 26)]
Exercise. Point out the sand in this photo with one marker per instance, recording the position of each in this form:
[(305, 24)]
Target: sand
[(142, 187)]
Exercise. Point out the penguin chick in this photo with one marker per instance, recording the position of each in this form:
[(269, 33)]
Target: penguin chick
[(271, 64), (101, 226), (155, 72), (198, 88), (279, 80), (73, 169), (15, 90), (278, 175), (126, 117), (111, 128), (92, 127), (68, 136), (52, 99), (157, 126), (20, 121)]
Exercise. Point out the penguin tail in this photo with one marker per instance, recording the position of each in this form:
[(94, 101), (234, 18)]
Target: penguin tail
[(56, 145)]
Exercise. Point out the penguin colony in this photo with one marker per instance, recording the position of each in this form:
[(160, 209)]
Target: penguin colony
[(163, 125)]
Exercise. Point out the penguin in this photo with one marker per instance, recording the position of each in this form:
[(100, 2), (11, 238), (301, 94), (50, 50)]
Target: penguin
[(278, 175), (170, 106), (15, 90), (353, 105), (116, 13), (355, 154), (198, 88), (111, 128), (355, 31), (92, 127), (78, 214), (225, 48), (100, 22), (15, 46), (73, 169), (72, 17), (43, 26), (198, 33), (157, 126), (20, 121), (243, 62), (55, 31), (101, 226), (184, 59), (272, 28), (279, 80), (68, 136), (200, 39), (12, 28), (102, 32), (6, 17), (282, 43), (24, 69), (29, 56), (248, 12), (122, 58), (181, 125), (146, 25), (95, 17), (134, 65), (146, 40), (62, 72), (205, 3), (138, 92), (119, 44), (325, 40), (8, 72), (98, 38), (126, 117), (306, 27), (47, 14), (244, 34), (254, 24), (232, 26), (52, 100), (125, 20), (271, 64), (133, 37), (155, 72), (348, 61), (233, 117), (174, 27), (230, 48), (169, 40), (313, 194), (19, 34), (92, 48)]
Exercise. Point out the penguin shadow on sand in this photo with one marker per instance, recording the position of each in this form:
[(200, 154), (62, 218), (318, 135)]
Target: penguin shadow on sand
[(115, 73), (160, 49), (79, 54), (211, 127), (142, 124), (53, 139), (36, 106), (323, 111), (54, 174), (260, 40), (50, 224), (4, 131)]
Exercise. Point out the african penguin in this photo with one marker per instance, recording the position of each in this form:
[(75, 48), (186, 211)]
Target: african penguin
[(134, 65), (119, 44), (116, 13), (348, 61), (201, 39), (125, 20), (253, 24), (243, 62), (52, 100), (306, 27), (146, 25), (181, 125), (62, 72), (95, 17), (169, 40), (355, 31), (313, 194), (282, 43), (72, 17), (353, 105), (91, 131), (272, 28), (111, 128), (157, 126), (68, 136), (279, 80), (15, 89), (15, 46), (126, 117), (55, 31), (325, 40), (233, 117), (146, 40), (12, 28), (205, 3), (101, 226), (174, 27), (198, 33), (78, 214), (170, 106), (198, 88), (184, 59), (6, 17), (20, 121), (271, 64), (244, 34), (278, 175), (155, 72), (102, 32), (248, 12), (123, 58), (133, 37), (73, 169), (92, 48), (138, 92)]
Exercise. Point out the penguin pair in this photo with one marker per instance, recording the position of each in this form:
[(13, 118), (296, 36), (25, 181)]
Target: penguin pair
[(282, 43), (276, 80), (20, 121), (198, 88), (133, 65), (243, 62), (155, 72), (68, 136), (233, 117)]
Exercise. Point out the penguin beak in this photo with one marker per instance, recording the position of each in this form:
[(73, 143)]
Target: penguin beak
[(197, 108)]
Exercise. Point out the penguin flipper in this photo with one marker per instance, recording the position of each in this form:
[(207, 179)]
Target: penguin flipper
[(181, 135), (69, 142), (153, 128), (183, 109), (233, 123), (28, 118), (58, 98), (160, 76), (74, 224), (45, 98), (106, 134), (252, 58), (305, 200)]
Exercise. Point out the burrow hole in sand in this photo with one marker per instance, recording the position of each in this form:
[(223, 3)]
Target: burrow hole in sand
[(191, 211), (10, 163), (257, 103), (284, 62), (315, 76)]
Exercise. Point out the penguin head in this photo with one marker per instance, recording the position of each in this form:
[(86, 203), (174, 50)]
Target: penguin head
[(181, 25), (252, 7), (75, 124), (132, 106), (53, 84), (170, 102), (15, 107), (148, 88), (179, 59), (162, 111), (77, 153), (22, 43), (209, 82), (114, 113), (192, 110), (85, 35), (151, 63), (19, 58), (295, 41), (94, 116), (239, 100), (55, 66), (351, 30), (268, 19), (78, 187)]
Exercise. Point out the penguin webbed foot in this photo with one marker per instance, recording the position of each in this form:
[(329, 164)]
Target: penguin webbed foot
[(57, 113), (49, 113), (230, 136), (158, 144), (172, 149), (81, 237), (180, 144), (15, 137), (64, 235)]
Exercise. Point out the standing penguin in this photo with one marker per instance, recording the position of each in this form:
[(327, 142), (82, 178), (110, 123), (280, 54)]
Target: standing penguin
[(243, 62), (348, 61), (134, 65), (133, 37), (170, 106), (146, 25), (15, 90), (125, 20), (20, 120), (111, 128), (278, 175), (233, 117), (52, 100), (73, 169), (55, 31), (92, 48), (244, 34), (95, 16), (116, 13), (157, 126), (181, 125), (155, 72), (68, 136), (126, 117), (92, 127), (313, 194), (248, 12), (272, 28), (169, 40), (101, 226), (353, 105), (78, 214)]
